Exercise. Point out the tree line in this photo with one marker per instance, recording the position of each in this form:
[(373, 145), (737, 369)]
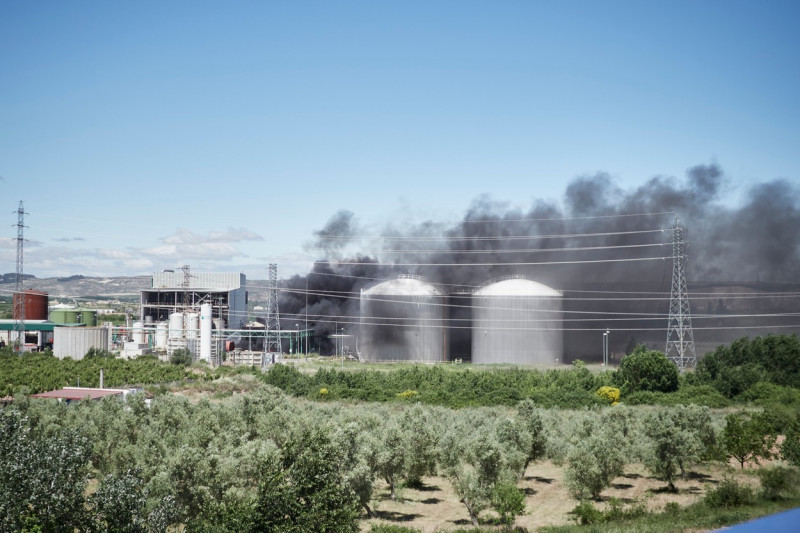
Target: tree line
[(267, 462)]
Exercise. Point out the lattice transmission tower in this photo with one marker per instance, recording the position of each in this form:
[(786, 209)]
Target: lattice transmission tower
[(272, 339), (19, 302), (680, 338), (187, 280)]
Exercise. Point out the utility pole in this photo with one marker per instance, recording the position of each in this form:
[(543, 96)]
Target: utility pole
[(680, 337), (272, 337), (19, 303)]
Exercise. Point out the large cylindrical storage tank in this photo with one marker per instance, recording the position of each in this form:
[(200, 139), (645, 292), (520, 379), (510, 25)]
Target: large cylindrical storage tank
[(402, 320), (35, 303), (192, 325), (161, 335), (206, 323), (176, 326), (88, 317), (75, 342), (139, 336), (64, 316), (517, 321)]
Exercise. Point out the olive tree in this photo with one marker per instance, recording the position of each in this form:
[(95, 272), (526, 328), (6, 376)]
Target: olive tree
[(474, 461), (42, 477), (304, 489), (678, 438), (592, 463)]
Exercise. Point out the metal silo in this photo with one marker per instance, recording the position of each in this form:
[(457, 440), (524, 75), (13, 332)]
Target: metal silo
[(88, 317), (64, 316), (161, 335), (35, 303), (402, 320), (517, 321)]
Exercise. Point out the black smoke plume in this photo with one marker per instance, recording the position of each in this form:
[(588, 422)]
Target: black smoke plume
[(758, 241)]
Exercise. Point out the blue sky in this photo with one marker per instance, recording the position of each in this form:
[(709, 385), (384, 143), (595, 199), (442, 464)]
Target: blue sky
[(147, 135)]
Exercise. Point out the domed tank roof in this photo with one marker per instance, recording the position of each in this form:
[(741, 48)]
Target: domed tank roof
[(403, 287), (516, 287)]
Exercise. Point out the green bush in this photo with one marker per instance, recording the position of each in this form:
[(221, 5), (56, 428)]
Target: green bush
[(181, 357), (391, 528), (96, 353), (704, 395), (778, 483), (790, 448), (646, 370), (508, 501), (735, 369), (729, 493), (585, 513)]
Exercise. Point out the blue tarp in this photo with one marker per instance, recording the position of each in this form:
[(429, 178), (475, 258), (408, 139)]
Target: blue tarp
[(781, 522)]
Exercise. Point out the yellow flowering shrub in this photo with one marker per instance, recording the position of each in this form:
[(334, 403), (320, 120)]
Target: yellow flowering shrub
[(609, 394), (407, 394)]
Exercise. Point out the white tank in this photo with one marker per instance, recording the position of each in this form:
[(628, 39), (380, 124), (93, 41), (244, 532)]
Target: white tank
[(161, 335), (192, 325), (75, 342), (176, 326), (206, 323), (517, 321), (403, 319), (138, 333)]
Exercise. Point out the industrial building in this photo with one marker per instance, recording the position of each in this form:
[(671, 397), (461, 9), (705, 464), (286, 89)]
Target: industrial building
[(75, 342), (38, 334), (181, 292), (38, 331)]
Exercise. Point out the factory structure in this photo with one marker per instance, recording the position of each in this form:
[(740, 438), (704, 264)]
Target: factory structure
[(185, 292), (179, 311), (510, 320)]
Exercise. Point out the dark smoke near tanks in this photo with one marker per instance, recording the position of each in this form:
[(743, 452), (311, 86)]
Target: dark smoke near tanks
[(758, 241)]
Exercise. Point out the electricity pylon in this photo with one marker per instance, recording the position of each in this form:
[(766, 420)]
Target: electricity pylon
[(272, 340), (680, 338), (19, 303)]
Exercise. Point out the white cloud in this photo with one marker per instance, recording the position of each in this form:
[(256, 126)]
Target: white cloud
[(184, 236), (180, 252), (213, 251), (110, 253)]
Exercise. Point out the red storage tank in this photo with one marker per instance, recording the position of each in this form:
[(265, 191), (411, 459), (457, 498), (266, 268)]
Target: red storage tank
[(35, 304)]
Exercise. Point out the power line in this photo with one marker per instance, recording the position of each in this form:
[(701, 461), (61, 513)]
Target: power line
[(517, 250), (521, 263), (493, 238)]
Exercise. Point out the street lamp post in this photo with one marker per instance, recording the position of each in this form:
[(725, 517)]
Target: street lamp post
[(605, 348), (299, 347)]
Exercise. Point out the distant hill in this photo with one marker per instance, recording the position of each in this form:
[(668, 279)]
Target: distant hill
[(79, 286), (11, 277)]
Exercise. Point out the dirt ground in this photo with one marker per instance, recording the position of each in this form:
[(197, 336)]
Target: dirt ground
[(436, 508)]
